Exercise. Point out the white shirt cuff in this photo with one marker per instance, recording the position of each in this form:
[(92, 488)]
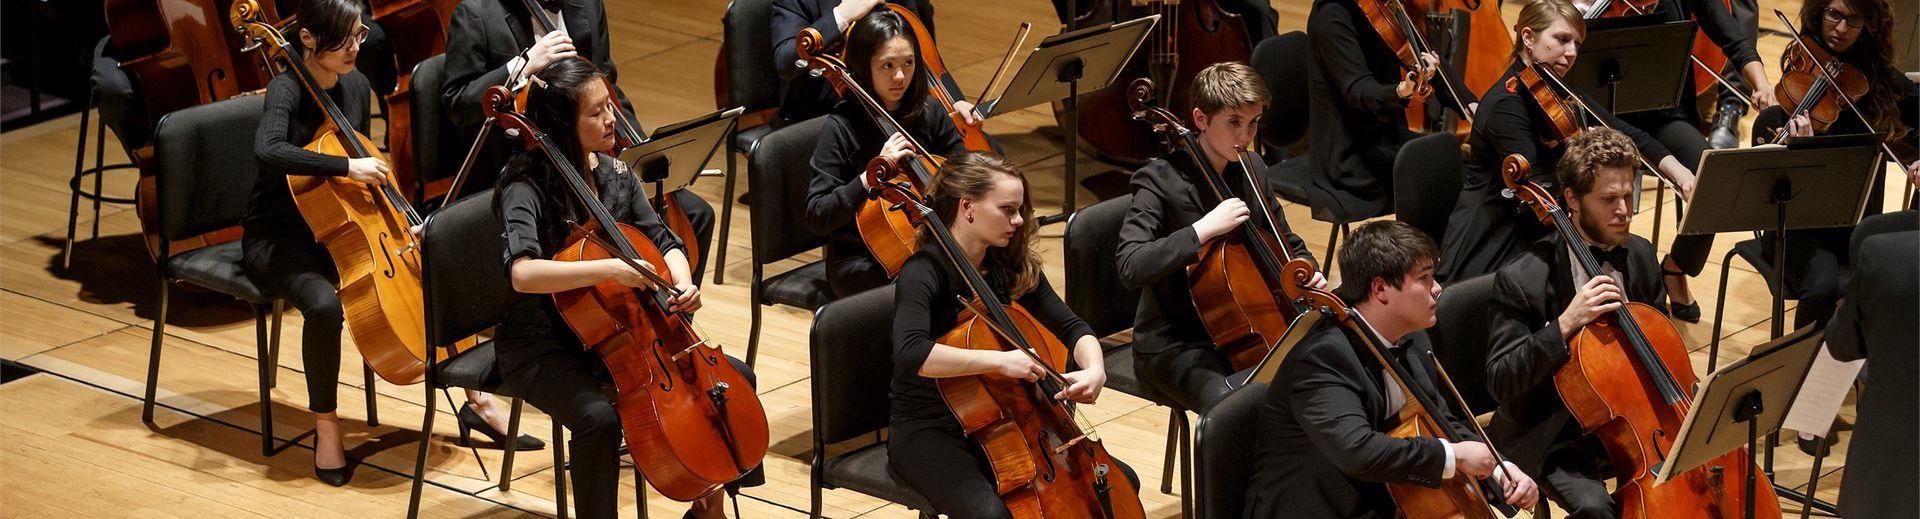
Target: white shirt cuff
[(515, 81), (840, 22), (1447, 473)]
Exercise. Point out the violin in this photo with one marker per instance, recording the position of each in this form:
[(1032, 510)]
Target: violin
[(888, 230), (1567, 115), (1191, 35), (1045, 464), (365, 228), (417, 31), (1812, 81), (1460, 497), (1708, 59), (937, 77), (1392, 20), (1236, 285), (1627, 380), (691, 419)]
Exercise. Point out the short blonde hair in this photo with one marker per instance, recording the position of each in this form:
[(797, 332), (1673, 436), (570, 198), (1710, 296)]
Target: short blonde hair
[(1225, 85)]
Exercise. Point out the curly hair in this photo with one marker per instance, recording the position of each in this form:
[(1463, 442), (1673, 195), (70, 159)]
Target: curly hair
[(970, 176), (1594, 148), (1872, 52)]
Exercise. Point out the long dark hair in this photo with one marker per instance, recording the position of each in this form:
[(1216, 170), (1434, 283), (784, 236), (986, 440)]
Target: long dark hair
[(971, 175), (553, 106), (867, 36), (331, 22), (1873, 53)]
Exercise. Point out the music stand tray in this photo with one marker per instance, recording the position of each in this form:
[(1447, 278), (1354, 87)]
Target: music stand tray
[(674, 157), (1302, 327), (1824, 181), (1634, 64), (1093, 55)]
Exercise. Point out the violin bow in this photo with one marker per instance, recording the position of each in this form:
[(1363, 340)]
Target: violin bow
[(1801, 44)]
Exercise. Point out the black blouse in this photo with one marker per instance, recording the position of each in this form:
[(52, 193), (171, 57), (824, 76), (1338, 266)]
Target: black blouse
[(848, 141), (925, 309), (1510, 121), (535, 220), (290, 121)]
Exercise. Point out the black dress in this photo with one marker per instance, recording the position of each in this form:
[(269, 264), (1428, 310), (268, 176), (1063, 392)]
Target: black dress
[(925, 446), (1486, 230), (847, 142), (539, 354), (278, 249)]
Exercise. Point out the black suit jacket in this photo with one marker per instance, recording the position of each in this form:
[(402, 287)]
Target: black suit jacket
[(1157, 244), (803, 96), (1529, 295), (1878, 322), (1322, 450)]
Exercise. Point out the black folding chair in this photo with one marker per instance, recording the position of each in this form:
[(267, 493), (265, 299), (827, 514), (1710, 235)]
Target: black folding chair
[(1225, 437), (777, 178), (751, 84), (852, 363)]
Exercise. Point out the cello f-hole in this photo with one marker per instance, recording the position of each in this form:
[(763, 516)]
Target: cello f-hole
[(668, 384)]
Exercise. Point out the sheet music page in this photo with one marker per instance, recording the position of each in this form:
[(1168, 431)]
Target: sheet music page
[(1820, 397)]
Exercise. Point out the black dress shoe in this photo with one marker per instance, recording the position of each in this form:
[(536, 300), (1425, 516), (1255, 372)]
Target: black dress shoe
[(1689, 312), (470, 421), (1726, 127), (335, 476), (1817, 446)]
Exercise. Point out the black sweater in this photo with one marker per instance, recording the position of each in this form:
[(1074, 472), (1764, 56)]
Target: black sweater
[(289, 123), (848, 141)]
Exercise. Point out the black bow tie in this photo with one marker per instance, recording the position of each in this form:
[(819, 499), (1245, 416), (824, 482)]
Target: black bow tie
[(1617, 257)]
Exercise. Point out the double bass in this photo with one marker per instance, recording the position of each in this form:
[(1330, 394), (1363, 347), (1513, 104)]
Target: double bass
[(1484, 54), (1237, 284), (1044, 463), (366, 229), (887, 229), (1461, 497), (1628, 382), (691, 419), (1191, 35)]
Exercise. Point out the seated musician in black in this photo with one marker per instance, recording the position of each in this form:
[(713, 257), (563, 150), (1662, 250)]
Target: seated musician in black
[(1486, 230), (1323, 448), (497, 42), (1542, 299), (537, 351), (1170, 223), (984, 201), (803, 96), (883, 59), (278, 248)]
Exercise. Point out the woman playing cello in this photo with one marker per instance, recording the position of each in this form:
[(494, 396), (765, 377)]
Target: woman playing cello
[(279, 249), (571, 103)]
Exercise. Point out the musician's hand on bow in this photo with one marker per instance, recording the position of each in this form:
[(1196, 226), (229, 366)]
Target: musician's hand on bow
[(625, 275), (687, 302), (967, 112), (1520, 490), (1083, 386), (1016, 364)]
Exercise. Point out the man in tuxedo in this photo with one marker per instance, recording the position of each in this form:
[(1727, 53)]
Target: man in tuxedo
[(1543, 298), (1323, 449), (1877, 322), (498, 42)]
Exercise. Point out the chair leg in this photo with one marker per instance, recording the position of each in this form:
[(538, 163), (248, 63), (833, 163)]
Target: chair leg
[(1186, 466), (99, 161), (726, 214), (1333, 241), (279, 308), (73, 200), (640, 494), (262, 345), (753, 331), (373, 394), (420, 458), (1173, 446), (153, 354), (559, 469), (1719, 311), (506, 459), (816, 471)]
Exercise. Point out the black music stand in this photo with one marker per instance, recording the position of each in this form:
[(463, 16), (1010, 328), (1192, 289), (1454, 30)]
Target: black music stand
[(1633, 64), (1755, 392), (677, 154), (1054, 72)]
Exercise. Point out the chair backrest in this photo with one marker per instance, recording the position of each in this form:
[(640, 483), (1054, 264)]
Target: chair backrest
[(1426, 166), (431, 160), (852, 363), (751, 81), (1093, 277), (207, 168), (1283, 62), (466, 286), (777, 178), (1222, 442), (1460, 339)]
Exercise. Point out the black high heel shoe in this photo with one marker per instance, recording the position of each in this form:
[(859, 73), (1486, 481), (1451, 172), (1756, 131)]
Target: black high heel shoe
[(1689, 312), (471, 421), (337, 477)]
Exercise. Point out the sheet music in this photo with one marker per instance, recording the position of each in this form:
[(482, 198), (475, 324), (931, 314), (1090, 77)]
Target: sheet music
[(1821, 395)]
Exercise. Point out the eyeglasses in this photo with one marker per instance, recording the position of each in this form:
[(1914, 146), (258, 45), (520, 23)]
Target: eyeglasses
[(359, 37), (1834, 16)]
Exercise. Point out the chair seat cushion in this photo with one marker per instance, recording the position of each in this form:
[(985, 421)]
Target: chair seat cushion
[(475, 369), (1122, 377), (744, 140), (218, 268), (804, 287), (865, 471)]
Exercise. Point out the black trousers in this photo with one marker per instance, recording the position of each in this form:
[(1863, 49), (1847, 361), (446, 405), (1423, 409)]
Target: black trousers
[(1575, 477), (570, 385), (849, 274), (700, 214), (934, 459), (300, 271), (1685, 142), (1194, 376)]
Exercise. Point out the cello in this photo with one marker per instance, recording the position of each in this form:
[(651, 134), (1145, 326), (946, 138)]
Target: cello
[(1043, 461), (1486, 53), (1191, 35), (1627, 380), (692, 421), (1460, 497), (939, 80), (417, 30), (366, 229), (1236, 285), (887, 229)]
